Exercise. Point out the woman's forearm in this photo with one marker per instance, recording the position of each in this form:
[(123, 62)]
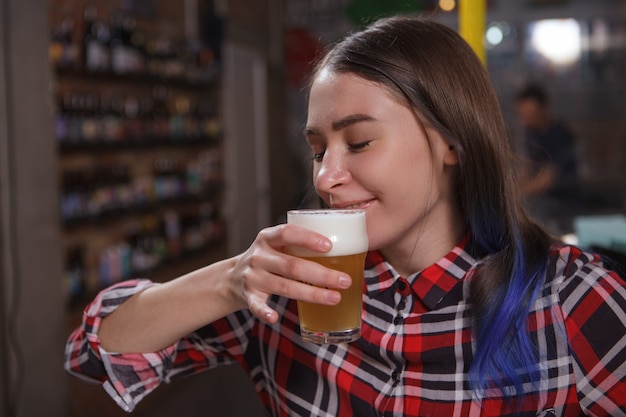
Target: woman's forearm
[(162, 314)]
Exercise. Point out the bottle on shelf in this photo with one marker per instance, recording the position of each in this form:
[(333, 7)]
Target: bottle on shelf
[(72, 195), (89, 120), (168, 182), (172, 233), (160, 113), (114, 264), (178, 113), (133, 124), (64, 48), (123, 55), (97, 55), (73, 107)]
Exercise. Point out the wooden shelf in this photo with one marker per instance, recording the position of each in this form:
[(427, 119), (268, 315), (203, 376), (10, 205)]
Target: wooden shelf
[(208, 81), (101, 145), (140, 209)]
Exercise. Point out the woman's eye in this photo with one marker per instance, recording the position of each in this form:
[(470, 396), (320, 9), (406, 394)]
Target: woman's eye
[(358, 146), (352, 147), (317, 157)]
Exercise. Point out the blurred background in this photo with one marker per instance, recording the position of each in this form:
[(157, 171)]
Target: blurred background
[(145, 138)]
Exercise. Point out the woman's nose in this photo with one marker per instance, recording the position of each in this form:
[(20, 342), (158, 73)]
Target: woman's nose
[(331, 172)]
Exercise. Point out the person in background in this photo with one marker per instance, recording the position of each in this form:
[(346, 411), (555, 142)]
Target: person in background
[(470, 307), (551, 178)]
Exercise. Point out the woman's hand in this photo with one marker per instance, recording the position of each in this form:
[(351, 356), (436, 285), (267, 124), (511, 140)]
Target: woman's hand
[(266, 268), (161, 314)]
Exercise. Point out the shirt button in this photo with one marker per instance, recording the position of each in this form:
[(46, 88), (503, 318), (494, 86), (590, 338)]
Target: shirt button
[(402, 303), (401, 285), (398, 320), (395, 375)]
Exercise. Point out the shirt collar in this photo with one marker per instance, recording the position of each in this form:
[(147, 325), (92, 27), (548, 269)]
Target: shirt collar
[(430, 284)]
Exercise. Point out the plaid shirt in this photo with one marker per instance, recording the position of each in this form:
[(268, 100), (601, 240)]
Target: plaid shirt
[(414, 353)]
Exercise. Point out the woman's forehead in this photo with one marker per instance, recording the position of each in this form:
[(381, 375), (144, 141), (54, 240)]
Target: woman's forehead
[(347, 92), (336, 84), (335, 95)]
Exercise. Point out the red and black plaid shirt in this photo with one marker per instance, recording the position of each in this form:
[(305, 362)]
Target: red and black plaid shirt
[(414, 354)]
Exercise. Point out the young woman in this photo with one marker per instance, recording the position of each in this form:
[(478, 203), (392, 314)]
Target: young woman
[(470, 308)]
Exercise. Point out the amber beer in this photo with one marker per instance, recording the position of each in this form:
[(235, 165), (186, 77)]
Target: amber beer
[(347, 231)]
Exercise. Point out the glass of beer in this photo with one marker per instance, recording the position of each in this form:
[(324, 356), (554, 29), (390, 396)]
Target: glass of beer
[(346, 230)]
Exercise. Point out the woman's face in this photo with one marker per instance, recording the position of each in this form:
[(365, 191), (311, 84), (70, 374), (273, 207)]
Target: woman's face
[(372, 151)]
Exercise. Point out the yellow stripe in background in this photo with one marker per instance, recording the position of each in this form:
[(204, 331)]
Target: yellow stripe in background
[(472, 16)]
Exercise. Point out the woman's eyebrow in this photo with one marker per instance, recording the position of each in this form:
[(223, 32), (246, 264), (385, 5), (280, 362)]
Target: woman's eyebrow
[(342, 123), (350, 120)]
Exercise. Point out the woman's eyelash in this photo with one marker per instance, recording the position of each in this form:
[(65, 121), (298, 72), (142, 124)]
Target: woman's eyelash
[(360, 145), (353, 147)]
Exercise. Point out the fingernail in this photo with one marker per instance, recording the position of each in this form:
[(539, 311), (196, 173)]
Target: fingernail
[(344, 281), (333, 297), (325, 244)]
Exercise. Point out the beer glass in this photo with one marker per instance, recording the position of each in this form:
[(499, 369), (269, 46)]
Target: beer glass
[(346, 230)]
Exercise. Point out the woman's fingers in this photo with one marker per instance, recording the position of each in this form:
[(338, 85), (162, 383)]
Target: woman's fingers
[(266, 268), (268, 254), (289, 235), (257, 300), (292, 277), (259, 308)]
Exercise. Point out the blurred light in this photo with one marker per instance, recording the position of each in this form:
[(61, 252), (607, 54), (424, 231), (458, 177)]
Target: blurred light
[(494, 35), (570, 239), (557, 39), (447, 5), (498, 32)]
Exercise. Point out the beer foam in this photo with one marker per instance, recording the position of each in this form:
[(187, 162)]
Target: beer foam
[(346, 229)]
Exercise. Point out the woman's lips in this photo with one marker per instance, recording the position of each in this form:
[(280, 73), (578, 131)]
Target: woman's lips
[(353, 205)]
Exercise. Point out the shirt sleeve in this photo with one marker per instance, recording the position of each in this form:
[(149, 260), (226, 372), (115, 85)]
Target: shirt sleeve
[(129, 377), (593, 301)]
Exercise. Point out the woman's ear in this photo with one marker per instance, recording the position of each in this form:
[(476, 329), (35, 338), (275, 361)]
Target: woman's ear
[(441, 146), (451, 156)]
